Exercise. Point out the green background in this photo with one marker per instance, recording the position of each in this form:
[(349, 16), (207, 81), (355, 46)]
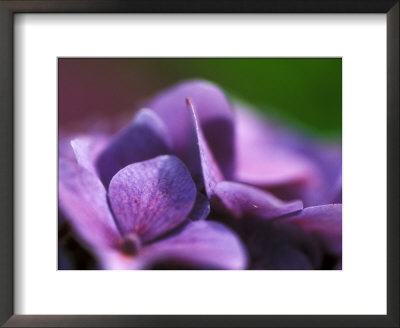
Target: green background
[(305, 92)]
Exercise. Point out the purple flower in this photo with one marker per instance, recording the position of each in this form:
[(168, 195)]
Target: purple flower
[(147, 200), (196, 182), (285, 162)]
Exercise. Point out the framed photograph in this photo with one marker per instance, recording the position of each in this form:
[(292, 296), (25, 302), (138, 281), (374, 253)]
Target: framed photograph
[(217, 164)]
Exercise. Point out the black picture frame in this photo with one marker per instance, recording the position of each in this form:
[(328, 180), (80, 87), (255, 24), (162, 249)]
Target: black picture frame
[(10, 7)]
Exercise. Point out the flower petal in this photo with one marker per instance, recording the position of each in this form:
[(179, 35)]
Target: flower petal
[(83, 201), (150, 198), (325, 222), (64, 148), (210, 170), (235, 198), (200, 244), (145, 138), (333, 193), (214, 114), (265, 158), (201, 208), (82, 148), (239, 199), (86, 150), (328, 157)]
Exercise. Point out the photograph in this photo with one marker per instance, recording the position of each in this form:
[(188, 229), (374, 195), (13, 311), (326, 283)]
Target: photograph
[(199, 163), (183, 163)]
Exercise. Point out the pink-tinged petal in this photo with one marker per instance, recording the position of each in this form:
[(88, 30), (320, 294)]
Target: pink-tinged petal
[(83, 201), (82, 148), (81, 151), (200, 244), (323, 221), (201, 208), (145, 138), (152, 197), (239, 199), (64, 149), (215, 117), (210, 170), (263, 159)]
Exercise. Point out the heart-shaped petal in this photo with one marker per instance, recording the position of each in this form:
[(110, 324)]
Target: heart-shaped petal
[(152, 197)]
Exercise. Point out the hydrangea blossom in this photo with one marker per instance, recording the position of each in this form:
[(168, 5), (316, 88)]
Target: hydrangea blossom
[(197, 182)]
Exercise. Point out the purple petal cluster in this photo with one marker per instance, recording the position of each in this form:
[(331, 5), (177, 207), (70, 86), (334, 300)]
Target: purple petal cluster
[(196, 182)]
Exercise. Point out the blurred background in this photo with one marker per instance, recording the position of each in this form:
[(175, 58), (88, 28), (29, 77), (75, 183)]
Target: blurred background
[(303, 92)]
